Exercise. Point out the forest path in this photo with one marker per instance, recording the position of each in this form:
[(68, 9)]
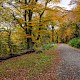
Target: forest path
[(66, 66), (69, 68)]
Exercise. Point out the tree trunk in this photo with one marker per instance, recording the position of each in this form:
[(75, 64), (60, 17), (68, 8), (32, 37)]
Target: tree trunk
[(9, 42), (56, 37), (52, 33), (28, 30), (39, 27), (77, 31)]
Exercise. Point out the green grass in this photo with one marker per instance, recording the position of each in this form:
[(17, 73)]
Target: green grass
[(33, 64)]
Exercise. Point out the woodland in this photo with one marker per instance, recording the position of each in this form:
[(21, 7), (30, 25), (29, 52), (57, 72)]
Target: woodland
[(39, 40), (33, 25)]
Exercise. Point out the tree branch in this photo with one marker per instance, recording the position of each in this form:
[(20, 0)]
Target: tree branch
[(17, 20)]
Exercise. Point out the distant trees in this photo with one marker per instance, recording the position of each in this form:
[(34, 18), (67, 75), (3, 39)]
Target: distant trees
[(70, 24)]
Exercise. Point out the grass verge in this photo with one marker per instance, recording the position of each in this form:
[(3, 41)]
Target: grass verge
[(27, 66)]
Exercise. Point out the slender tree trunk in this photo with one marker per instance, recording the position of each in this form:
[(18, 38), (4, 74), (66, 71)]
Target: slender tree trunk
[(76, 31), (56, 37), (52, 33), (39, 27), (9, 42)]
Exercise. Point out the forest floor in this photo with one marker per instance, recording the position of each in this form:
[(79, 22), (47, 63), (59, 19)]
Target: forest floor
[(65, 65), (31, 66)]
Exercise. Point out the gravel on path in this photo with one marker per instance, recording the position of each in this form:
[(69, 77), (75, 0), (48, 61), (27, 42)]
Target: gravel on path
[(69, 68)]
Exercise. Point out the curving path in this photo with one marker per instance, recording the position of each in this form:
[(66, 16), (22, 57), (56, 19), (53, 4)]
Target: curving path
[(69, 68)]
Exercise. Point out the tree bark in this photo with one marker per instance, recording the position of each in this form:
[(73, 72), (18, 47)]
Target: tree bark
[(9, 42), (52, 33), (28, 30), (77, 31)]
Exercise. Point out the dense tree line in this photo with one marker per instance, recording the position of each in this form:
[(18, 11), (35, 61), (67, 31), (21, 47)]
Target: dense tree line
[(29, 24)]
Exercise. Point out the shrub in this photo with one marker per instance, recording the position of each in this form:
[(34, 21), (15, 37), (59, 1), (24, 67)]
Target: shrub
[(48, 46), (40, 48), (75, 42)]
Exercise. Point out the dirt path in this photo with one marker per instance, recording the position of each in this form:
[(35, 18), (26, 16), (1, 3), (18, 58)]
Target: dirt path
[(69, 68)]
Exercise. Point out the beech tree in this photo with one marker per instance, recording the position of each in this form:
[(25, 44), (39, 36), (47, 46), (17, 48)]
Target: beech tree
[(22, 12)]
